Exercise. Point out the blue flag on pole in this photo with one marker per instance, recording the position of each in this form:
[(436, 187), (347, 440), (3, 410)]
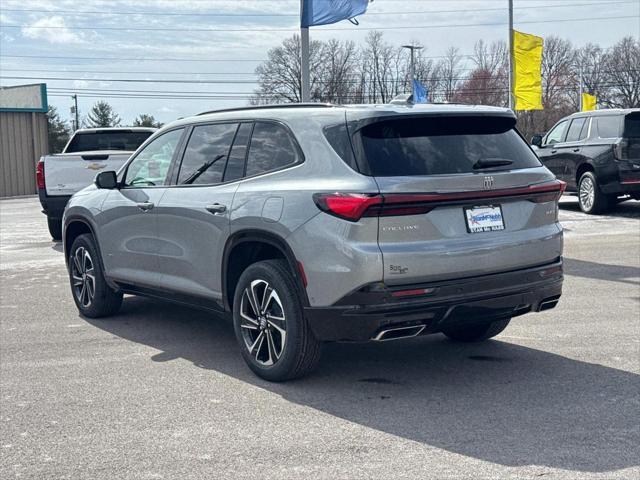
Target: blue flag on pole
[(324, 12), (420, 92)]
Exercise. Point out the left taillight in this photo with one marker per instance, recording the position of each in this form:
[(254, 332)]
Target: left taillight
[(349, 206), (40, 175)]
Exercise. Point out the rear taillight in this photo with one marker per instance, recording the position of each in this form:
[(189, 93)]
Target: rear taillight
[(40, 175), (619, 149), (354, 206)]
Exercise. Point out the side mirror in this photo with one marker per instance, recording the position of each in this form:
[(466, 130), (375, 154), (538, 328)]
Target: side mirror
[(107, 180), (536, 140)]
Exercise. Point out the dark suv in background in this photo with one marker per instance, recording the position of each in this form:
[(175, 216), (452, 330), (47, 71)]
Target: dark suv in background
[(597, 154)]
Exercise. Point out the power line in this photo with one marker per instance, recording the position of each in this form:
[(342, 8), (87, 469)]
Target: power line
[(208, 14), (146, 59), (226, 30)]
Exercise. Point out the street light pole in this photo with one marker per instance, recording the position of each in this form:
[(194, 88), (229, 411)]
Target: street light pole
[(412, 72), (75, 111), (305, 93)]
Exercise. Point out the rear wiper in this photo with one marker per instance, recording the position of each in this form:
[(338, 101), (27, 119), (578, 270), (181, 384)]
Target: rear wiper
[(491, 162), (203, 168)]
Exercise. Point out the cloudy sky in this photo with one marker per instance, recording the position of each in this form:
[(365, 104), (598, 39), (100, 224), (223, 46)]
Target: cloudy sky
[(213, 46)]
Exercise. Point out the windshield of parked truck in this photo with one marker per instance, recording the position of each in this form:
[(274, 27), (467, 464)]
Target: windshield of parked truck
[(125, 140)]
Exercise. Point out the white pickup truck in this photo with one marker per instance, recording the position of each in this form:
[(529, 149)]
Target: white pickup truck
[(88, 151)]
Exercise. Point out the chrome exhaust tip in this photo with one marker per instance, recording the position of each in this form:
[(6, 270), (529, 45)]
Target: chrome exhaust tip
[(547, 304), (398, 333)]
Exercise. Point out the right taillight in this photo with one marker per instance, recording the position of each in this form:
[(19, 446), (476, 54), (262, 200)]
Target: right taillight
[(40, 175)]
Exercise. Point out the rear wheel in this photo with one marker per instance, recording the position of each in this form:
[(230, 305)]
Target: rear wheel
[(476, 333), (590, 197), (55, 228), (91, 293), (273, 335)]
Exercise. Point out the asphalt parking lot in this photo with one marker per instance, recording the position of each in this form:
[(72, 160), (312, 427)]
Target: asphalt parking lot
[(161, 391)]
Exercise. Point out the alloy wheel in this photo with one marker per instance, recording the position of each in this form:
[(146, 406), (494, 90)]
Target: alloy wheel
[(84, 280), (587, 193), (262, 322)]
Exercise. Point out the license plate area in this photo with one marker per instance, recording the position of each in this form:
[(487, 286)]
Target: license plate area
[(484, 218)]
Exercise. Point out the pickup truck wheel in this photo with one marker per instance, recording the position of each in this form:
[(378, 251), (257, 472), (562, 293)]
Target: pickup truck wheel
[(274, 337), (55, 228), (91, 293), (590, 197), (476, 333)]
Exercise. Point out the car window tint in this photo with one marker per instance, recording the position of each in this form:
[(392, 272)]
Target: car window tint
[(125, 140), (206, 154), (442, 146), (573, 134), (271, 148), (151, 165), (632, 125), (585, 129), (557, 134), (238, 155), (608, 127)]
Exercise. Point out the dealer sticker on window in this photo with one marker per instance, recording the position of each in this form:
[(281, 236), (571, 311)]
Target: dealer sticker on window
[(484, 219)]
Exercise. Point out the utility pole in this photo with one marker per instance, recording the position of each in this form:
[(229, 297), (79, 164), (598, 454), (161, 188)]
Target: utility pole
[(74, 110), (511, 73), (304, 60), (412, 72), (580, 88)]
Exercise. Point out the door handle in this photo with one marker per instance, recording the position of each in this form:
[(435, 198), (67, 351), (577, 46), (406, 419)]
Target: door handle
[(145, 206), (576, 149), (216, 208), (554, 151)]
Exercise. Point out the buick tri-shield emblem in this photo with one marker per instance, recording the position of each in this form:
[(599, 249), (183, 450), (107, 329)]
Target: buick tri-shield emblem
[(488, 183)]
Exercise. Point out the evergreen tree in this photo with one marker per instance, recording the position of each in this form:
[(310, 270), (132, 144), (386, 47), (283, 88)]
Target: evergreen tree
[(58, 131), (102, 115), (145, 120)]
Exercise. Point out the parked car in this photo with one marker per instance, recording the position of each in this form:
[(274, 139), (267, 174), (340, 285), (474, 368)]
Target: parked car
[(87, 152), (597, 154), (314, 223)]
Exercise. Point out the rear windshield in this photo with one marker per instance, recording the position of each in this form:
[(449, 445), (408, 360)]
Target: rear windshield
[(632, 125), (115, 140), (443, 146)]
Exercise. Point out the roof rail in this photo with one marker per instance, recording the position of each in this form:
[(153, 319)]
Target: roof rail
[(265, 107)]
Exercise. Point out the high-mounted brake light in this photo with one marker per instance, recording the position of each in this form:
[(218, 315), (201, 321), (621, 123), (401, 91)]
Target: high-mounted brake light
[(40, 175)]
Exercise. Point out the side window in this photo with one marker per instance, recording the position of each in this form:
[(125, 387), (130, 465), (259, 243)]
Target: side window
[(271, 148), (608, 127), (151, 165), (238, 155), (575, 130), (557, 133), (206, 154)]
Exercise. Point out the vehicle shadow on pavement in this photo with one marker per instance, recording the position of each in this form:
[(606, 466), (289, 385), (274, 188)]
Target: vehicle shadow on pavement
[(602, 271), (627, 209), (494, 401)]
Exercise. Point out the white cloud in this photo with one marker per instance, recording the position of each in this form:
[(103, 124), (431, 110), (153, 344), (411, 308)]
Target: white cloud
[(165, 109), (53, 30)]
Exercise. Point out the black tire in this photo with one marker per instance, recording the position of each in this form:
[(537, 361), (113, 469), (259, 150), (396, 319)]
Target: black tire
[(476, 333), (300, 350), (104, 301), (598, 202), (55, 228)]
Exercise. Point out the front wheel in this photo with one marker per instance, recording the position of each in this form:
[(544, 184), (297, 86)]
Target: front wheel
[(476, 333), (91, 293), (591, 199), (274, 337)]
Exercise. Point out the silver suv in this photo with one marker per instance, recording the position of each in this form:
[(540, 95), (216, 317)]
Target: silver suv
[(315, 223)]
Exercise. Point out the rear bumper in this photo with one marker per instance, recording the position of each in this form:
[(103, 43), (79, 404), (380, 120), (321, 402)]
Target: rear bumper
[(361, 315), (53, 206), (627, 181)]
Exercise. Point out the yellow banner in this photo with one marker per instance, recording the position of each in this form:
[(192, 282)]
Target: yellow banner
[(527, 71), (588, 102)]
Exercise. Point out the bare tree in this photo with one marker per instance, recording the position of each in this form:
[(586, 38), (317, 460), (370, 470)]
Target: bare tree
[(623, 74), (450, 71)]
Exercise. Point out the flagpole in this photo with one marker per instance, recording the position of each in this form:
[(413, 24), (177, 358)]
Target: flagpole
[(304, 60), (581, 89), (511, 75)]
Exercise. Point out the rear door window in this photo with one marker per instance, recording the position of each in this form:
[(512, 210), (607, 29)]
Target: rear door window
[(574, 133), (206, 154), (443, 145), (608, 126), (238, 155), (271, 148)]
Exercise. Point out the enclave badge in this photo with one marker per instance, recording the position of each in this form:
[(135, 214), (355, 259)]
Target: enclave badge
[(488, 183)]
